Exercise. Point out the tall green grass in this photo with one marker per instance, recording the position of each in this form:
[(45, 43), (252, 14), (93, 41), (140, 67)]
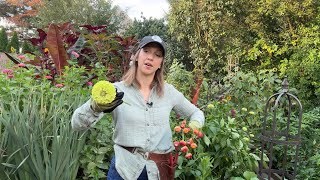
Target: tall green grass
[(36, 139)]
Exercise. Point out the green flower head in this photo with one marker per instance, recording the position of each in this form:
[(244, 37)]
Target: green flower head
[(103, 92)]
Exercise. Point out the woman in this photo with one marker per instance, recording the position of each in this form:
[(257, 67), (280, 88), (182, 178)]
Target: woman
[(142, 136)]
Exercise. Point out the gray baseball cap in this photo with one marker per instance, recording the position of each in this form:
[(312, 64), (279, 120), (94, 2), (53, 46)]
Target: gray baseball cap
[(149, 39)]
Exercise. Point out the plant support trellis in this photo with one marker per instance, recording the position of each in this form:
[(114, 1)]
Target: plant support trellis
[(280, 137)]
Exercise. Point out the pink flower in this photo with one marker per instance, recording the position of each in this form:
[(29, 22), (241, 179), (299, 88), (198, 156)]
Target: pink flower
[(10, 76), (188, 156), (48, 77), (184, 149), (59, 85), (233, 113), (75, 54), (89, 83), (7, 71), (21, 56), (21, 65), (176, 144)]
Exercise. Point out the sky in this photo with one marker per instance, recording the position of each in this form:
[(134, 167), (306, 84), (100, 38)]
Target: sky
[(149, 8)]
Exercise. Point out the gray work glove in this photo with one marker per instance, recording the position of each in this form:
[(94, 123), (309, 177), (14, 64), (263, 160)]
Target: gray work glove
[(107, 108)]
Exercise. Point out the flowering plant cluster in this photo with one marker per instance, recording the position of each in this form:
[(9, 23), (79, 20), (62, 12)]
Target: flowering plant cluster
[(186, 140)]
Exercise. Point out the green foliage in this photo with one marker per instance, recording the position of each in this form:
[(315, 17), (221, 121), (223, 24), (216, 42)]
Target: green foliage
[(303, 67), (3, 40), (275, 25), (255, 34), (189, 152), (286, 38), (309, 156), (211, 31), (180, 79), (79, 12), (251, 90), (145, 27), (230, 140), (14, 42), (26, 47), (45, 109), (37, 140), (97, 153)]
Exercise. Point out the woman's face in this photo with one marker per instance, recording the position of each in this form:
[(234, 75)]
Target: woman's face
[(150, 59)]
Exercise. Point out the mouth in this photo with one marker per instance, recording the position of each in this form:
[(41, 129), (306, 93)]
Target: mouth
[(148, 64)]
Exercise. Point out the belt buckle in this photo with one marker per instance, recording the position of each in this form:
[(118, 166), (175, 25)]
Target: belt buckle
[(145, 155)]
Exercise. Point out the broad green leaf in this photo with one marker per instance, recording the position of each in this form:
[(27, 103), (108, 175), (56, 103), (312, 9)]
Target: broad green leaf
[(206, 140), (235, 135), (248, 175), (221, 122), (236, 178), (255, 156)]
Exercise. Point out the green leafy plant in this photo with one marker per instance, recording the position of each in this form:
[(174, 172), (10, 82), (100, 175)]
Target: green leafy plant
[(189, 152), (98, 150), (309, 156), (3, 40), (39, 142), (231, 142)]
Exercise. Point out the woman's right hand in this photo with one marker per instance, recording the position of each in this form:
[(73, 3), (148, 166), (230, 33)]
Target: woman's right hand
[(107, 108)]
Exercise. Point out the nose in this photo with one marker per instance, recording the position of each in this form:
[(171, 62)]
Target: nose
[(150, 56)]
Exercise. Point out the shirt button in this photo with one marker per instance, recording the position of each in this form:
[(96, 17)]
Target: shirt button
[(148, 140), (149, 172), (146, 109), (148, 124)]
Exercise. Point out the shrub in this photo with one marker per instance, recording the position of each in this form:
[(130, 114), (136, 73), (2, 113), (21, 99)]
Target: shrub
[(309, 156), (3, 40)]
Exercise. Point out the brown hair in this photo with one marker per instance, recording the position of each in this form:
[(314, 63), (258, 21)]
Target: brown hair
[(130, 76)]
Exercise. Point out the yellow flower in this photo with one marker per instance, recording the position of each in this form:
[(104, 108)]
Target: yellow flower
[(252, 113), (210, 106), (103, 92), (46, 50), (251, 135), (229, 98), (13, 50), (244, 129), (244, 109)]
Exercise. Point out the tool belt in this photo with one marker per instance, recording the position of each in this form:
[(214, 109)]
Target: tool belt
[(165, 166)]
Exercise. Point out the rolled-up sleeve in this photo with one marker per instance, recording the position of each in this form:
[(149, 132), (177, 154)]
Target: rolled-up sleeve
[(185, 108), (84, 117)]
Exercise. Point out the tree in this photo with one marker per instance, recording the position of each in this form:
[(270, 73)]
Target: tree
[(19, 11), (6, 9), (144, 27), (79, 12), (3, 40), (14, 42), (287, 39), (26, 47), (276, 25), (40, 13), (210, 30)]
